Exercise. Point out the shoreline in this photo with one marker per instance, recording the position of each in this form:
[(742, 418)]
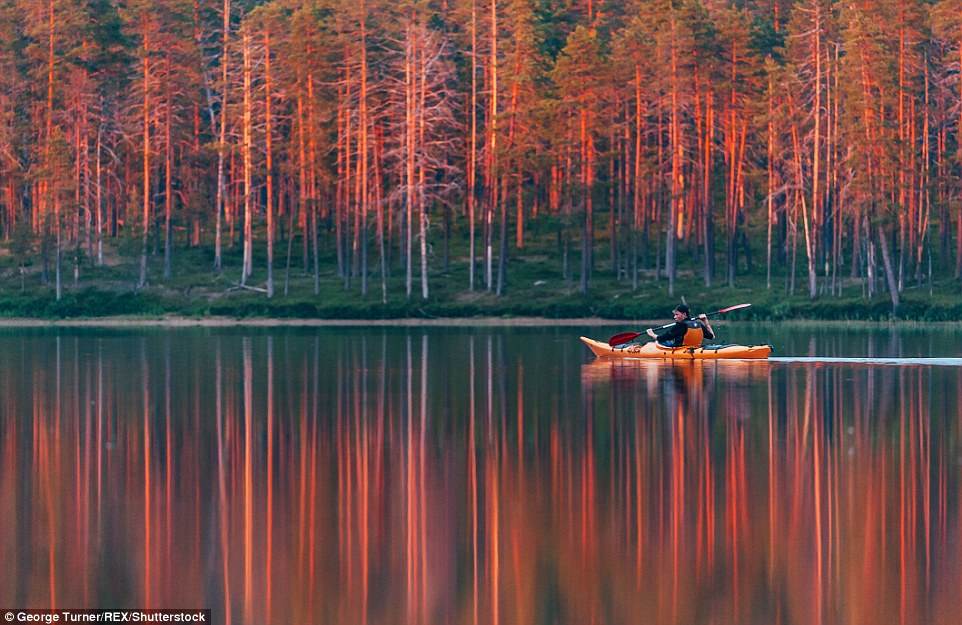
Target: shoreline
[(227, 322), (481, 322)]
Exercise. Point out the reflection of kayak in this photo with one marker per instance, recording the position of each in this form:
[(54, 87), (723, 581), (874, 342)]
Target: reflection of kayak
[(654, 350)]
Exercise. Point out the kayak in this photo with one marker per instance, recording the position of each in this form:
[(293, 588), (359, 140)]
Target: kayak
[(654, 350)]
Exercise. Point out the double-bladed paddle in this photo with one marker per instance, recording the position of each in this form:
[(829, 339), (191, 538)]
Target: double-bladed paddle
[(628, 337)]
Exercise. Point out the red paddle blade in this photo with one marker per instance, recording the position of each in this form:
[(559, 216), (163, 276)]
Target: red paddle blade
[(731, 308), (622, 338)]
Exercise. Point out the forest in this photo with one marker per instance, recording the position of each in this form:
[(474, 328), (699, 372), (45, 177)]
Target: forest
[(384, 144)]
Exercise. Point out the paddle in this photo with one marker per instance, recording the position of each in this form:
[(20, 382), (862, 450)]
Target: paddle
[(627, 337)]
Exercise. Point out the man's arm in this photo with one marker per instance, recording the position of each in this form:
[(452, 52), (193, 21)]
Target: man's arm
[(674, 332), (709, 333)]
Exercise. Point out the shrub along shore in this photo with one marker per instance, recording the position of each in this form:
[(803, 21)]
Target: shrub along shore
[(533, 290)]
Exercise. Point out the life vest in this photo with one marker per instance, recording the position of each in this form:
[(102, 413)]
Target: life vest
[(695, 334), (693, 337)]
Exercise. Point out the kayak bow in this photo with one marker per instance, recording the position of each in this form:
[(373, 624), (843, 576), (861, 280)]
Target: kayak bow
[(654, 350)]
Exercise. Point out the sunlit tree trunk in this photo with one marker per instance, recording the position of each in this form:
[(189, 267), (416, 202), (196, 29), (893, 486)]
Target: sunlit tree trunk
[(903, 205), (958, 157), (232, 191), (269, 165), (924, 191), (410, 75), (100, 186), (59, 228), (341, 191), (708, 224), (146, 158), (343, 219), (379, 203), (363, 130), (835, 201), (587, 148), (422, 174), (46, 184), (771, 179), (473, 147), (168, 167), (677, 153), (621, 163), (493, 160), (638, 210), (870, 137), (513, 115), (246, 140), (312, 174), (222, 141), (83, 164), (302, 190), (816, 153), (799, 199), (733, 141)]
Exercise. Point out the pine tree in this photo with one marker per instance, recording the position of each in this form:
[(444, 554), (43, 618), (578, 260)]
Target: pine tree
[(578, 77), (423, 130)]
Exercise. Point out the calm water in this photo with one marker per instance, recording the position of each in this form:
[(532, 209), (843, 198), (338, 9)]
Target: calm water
[(489, 476)]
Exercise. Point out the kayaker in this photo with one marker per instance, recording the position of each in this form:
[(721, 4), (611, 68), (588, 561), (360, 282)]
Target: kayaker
[(686, 332)]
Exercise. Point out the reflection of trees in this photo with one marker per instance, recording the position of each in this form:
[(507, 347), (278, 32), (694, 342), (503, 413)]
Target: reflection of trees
[(345, 479)]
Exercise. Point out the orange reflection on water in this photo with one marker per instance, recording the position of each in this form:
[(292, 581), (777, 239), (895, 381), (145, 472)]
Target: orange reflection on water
[(284, 479)]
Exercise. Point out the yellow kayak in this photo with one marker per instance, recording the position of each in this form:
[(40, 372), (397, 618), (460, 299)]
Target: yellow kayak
[(654, 350)]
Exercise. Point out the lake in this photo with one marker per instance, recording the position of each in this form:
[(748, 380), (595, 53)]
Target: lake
[(487, 475)]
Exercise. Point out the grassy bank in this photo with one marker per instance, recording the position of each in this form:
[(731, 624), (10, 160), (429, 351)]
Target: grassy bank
[(536, 286)]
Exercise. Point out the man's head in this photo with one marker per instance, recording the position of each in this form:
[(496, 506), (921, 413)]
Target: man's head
[(681, 311)]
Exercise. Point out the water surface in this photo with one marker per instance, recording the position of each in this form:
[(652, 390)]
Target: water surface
[(499, 475)]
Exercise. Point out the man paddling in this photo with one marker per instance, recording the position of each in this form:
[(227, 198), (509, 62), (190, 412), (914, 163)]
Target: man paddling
[(685, 332)]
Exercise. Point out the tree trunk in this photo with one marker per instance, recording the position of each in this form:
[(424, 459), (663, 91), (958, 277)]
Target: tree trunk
[(923, 187), (363, 130), (493, 162), (771, 181), (146, 162), (246, 140), (378, 201), (269, 165), (100, 238), (343, 227), (409, 133), (889, 273), (676, 165), (302, 182), (421, 95), (810, 241), (168, 174), (473, 147), (56, 212), (638, 210), (222, 142), (958, 156), (503, 238), (312, 181), (586, 231), (731, 201)]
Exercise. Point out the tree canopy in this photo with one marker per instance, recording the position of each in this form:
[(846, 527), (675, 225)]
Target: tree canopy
[(822, 138)]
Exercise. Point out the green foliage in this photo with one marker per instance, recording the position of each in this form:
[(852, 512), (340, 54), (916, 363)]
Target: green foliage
[(89, 302), (535, 287), (22, 242)]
